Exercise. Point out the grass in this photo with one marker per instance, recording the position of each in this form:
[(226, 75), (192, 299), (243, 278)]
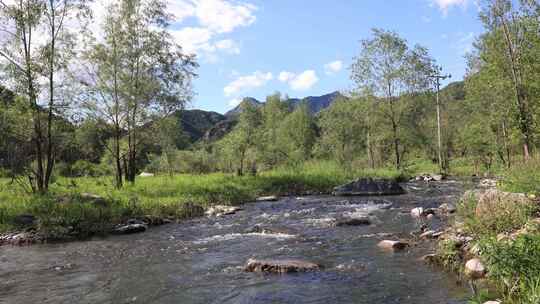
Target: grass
[(63, 211), (513, 261)]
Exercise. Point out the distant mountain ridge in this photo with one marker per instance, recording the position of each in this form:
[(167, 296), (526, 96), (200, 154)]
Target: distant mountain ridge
[(315, 103)]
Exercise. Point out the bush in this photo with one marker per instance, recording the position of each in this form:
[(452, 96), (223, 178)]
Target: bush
[(514, 265), (498, 214), (81, 168)]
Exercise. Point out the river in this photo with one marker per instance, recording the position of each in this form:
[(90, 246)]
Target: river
[(201, 260)]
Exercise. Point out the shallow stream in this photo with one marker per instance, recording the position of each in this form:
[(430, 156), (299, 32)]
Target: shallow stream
[(201, 261)]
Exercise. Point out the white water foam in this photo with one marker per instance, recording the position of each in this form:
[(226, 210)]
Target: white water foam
[(233, 236)]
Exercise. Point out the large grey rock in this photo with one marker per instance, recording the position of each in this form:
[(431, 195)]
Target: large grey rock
[(368, 187), (392, 245), (280, 266), (130, 228)]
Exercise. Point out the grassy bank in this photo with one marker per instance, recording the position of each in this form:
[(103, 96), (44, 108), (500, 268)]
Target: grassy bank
[(505, 233), (65, 211)]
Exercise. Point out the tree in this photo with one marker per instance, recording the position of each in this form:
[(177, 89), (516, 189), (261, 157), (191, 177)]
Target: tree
[(273, 112), (137, 74), (389, 69), (299, 132), (514, 28), (343, 129), (37, 47)]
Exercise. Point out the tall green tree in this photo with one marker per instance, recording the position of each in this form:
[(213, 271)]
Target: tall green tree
[(36, 50), (390, 69), (511, 50), (137, 74)]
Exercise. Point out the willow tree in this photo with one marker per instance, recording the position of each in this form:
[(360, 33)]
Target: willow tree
[(391, 70), (36, 51), (136, 74)]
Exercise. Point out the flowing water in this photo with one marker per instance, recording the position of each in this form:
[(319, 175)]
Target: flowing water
[(201, 261)]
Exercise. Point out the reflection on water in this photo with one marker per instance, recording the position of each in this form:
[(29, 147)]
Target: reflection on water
[(200, 261)]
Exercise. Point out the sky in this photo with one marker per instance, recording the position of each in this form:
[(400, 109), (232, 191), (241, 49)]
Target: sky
[(253, 48), (305, 47)]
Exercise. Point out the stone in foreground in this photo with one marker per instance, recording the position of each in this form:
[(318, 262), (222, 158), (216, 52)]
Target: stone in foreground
[(369, 187), (280, 266), (271, 198), (475, 269), (392, 245)]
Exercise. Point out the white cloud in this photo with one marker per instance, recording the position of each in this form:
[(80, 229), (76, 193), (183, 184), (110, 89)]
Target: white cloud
[(215, 18), (301, 82), (286, 76), (243, 83), (333, 67), (223, 16), (235, 102), (446, 5)]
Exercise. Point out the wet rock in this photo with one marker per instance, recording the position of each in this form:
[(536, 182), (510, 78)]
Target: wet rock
[(428, 234), (368, 186), (271, 230), (429, 177), (361, 221), (447, 208), (422, 212), (25, 220), (271, 198), (475, 269), (392, 245), (152, 220), (146, 174), (134, 227), (280, 266), (221, 210), (20, 238)]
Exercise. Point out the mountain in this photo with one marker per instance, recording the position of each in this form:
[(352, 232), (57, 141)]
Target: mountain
[(236, 111), (315, 103), (196, 123)]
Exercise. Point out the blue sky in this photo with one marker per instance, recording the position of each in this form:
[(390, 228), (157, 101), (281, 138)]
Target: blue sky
[(305, 47)]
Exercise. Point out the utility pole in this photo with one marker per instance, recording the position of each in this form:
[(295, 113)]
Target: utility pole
[(438, 77)]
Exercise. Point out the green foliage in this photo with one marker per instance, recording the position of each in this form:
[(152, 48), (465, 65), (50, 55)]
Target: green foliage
[(515, 266), (523, 178)]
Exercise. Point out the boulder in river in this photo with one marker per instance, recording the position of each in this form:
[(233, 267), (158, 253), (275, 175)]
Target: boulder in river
[(475, 269), (358, 221), (421, 212), (271, 198), (130, 228), (220, 210), (447, 208), (392, 245), (368, 187), (280, 266)]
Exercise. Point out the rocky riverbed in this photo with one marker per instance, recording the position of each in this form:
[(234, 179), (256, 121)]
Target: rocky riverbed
[(321, 249)]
